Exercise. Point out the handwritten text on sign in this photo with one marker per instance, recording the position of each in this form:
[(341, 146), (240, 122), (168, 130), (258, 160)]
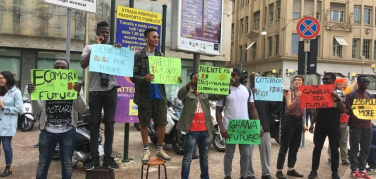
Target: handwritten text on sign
[(111, 60), (364, 109), (316, 96), (165, 70), (51, 84), (214, 80), (243, 132), (269, 89)]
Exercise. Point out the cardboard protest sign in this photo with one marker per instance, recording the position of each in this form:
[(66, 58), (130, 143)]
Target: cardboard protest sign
[(316, 96), (111, 60), (51, 84), (126, 110), (166, 70), (269, 89), (364, 108), (243, 132), (213, 80)]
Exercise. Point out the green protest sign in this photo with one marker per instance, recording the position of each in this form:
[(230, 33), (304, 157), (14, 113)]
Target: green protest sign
[(243, 132), (51, 84), (166, 70), (213, 80)]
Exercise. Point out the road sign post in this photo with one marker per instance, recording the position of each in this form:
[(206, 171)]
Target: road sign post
[(307, 28)]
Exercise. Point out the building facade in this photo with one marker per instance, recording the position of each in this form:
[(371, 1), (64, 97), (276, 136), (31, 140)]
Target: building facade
[(346, 42), (33, 35)]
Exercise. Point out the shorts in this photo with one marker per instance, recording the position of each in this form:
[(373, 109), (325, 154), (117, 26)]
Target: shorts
[(157, 111)]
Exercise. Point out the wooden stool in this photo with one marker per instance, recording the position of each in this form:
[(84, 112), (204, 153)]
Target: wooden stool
[(99, 173), (154, 161)]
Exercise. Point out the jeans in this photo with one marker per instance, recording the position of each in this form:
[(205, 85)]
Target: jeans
[(363, 138), (372, 157), (98, 100), (8, 151), (333, 133), (202, 139), (47, 144), (291, 135)]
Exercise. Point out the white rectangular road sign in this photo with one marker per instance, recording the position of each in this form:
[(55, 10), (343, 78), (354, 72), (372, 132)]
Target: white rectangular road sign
[(83, 5), (307, 45)]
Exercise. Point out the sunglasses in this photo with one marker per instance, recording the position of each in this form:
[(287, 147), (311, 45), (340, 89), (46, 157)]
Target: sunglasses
[(155, 37)]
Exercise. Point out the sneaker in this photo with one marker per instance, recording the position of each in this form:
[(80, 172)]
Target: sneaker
[(356, 175), (313, 174), (335, 175), (266, 177), (280, 175), (251, 177), (364, 174), (371, 171), (91, 164), (294, 173), (36, 145), (162, 154), (146, 157), (110, 163)]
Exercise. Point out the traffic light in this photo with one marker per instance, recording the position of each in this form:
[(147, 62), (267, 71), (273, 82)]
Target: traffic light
[(244, 77)]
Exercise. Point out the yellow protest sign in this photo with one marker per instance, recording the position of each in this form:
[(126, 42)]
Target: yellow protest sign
[(364, 109)]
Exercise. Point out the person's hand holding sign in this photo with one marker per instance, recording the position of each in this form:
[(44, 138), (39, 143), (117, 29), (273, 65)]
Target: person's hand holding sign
[(180, 79), (100, 39), (232, 81), (30, 88), (117, 45), (224, 133), (77, 87), (194, 79), (1, 104), (311, 128), (149, 77)]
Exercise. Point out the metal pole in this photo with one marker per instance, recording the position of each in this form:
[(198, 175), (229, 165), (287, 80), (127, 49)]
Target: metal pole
[(86, 70), (305, 83), (131, 3), (164, 17), (112, 26), (196, 61), (68, 43)]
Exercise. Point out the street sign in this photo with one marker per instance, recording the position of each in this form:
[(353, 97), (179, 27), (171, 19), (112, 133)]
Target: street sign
[(88, 5), (308, 27), (307, 45)]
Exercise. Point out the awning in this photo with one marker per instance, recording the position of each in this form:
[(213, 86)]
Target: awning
[(341, 41)]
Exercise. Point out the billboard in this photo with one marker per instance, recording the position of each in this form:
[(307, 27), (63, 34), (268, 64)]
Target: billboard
[(197, 26), (83, 5), (131, 24)]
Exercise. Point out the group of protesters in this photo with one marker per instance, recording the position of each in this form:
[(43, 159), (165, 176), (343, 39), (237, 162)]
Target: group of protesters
[(338, 123)]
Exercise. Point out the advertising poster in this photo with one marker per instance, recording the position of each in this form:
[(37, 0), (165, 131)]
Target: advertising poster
[(126, 110)]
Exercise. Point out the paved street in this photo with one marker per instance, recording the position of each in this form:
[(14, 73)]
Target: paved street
[(26, 159)]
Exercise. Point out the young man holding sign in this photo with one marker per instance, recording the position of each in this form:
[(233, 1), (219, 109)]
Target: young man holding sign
[(328, 125), (239, 104), (196, 121), (360, 131), (150, 98), (102, 94), (58, 121)]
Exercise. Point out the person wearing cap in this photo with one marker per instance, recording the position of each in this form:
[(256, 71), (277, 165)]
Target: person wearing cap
[(264, 108), (291, 131), (196, 121), (239, 104)]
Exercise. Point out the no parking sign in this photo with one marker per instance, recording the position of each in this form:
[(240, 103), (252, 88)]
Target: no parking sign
[(308, 27)]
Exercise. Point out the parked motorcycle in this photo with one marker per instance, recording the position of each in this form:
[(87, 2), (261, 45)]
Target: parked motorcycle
[(82, 146), (26, 119), (217, 140)]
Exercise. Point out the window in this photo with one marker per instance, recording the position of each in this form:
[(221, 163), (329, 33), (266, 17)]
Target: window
[(232, 30), (246, 24), (374, 50), (277, 44), (270, 46), (357, 14), (337, 48), (245, 53), (318, 46), (295, 44), (278, 13), (318, 10), (254, 50), (46, 59), (308, 8), (367, 15), (337, 12), (10, 60), (356, 48), (296, 9), (367, 48), (241, 30), (271, 12), (256, 20), (242, 3), (241, 53)]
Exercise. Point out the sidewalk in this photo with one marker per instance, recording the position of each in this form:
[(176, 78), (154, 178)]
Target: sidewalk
[(26, 159)]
